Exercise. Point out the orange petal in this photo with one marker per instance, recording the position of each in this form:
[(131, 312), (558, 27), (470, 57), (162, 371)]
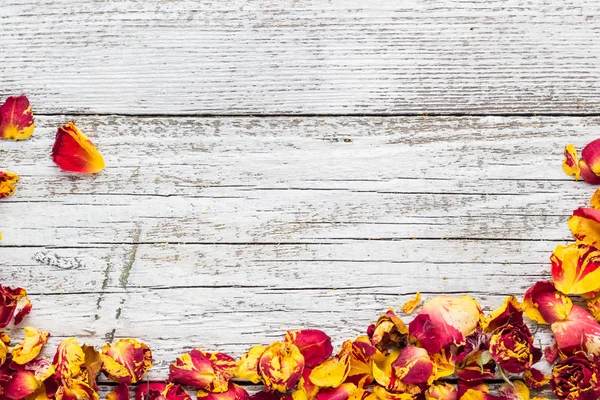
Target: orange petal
[(595, 200), (30, 348), (8, 183), (571, 162), (126, 361), (576, 268), (121, 392), (234, 392), (445, 321), (544, 304), (71, 389), (92, 364), (68, 359), (14, 305), (389, 331), (585, 226), (333, 372), (74, 152), (411, 305), (314, 345), (281, 366), (207, 371), (579, 331), (247, 366), (16, 118)]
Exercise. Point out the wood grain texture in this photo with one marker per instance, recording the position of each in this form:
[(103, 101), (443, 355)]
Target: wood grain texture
[(222, 233), (302, 56)]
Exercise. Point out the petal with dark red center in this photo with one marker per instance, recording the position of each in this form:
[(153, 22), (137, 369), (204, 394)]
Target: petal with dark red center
[(234, 392), (8, 183), (576, 268), (333, 372), (126, 361), (544, 304), (411, 305), (579, 331), (314, 345), (247, 366), (68, 359), (361, 361), (74, 152), (14, 305), (476, 367), (389, 331), (92, 364), (585, 226), (571, 163), (16, 118), (281, 366), (535, 379), (30, 347), (510, 312), (207, 371), (121, 392)]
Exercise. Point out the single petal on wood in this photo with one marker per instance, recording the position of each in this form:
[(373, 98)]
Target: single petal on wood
[(74, 152), (16, 118)]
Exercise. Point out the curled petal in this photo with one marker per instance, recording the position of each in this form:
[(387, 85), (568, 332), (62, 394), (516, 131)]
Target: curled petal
[(411, 305), (281, 366), (306, 386), (585, 226), (361, 361), (207, 371), (570, 164), (576, 378), (8, 183), (579, 331), (121, 392), (126, 361), (576, 268), (551, 353), (445, 321), (535, 379), (314, 345), (595, 200), (443, 363), (510, 312), (476, 367), (14, 305), (16, 118), (383, 394), (234, 392), (333, 372), (544, 304), (591, 155), (30, 348), (160, 391), (68, 359), (342, 392), (441, 391), (404, 370), (26, 380), (593, 306), (516, 390), (71, 389), (512, 348), (247, 366), (389, 331), (92, 364), (74, 152), (587, 174)]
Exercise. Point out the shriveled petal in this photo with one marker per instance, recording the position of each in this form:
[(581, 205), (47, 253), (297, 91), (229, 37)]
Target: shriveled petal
[(314, 345), (8, 183), (444, 321), (544, 304), (443, 363), (570, 164), (74, 152), (247, 366), (585, 226), (333, 372), (68, 359), (207, 371), (126, 361), (383, 394), (160, 391), (411, 305), (441, 391), (593, 306), (512, 348), (71, 389), (234, 392), (361, 361), (281, 366), (16, 118), (516, 390), (536, 379), (92, 364), (31, 346), (14, 305), (576, 268), (342, 392), (476, 367), (121, 392), (509, 312), (579, 331), (389, 331), (551, 353)]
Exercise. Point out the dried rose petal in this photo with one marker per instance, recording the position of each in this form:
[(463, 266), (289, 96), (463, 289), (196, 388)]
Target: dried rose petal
[(593, 306), (579, 331), (8, 183), (571, 162), (13, 304), (361, 361), (160, 391), (576, 268), (383, 394), (476, 367), (341, 392), (281, 366), (405, 370), (121, 392), (25, 380), (333, 372), (30, 348), (389, 331), (247, 366), (314, 345), (234, 392), (585, 226), (74, 152), (535, 379), (441, 391), (92, 364), (16, 118), (589, 164), (207, 371), (411, 305), (576, 378), (68, 359), (544, 304), (71, 389), (126, 361)]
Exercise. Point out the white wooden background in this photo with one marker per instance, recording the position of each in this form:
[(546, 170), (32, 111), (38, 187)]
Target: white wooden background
[(270, 166)]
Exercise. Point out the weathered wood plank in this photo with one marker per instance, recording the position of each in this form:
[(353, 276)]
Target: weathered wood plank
[(225, 232), (309, 56)]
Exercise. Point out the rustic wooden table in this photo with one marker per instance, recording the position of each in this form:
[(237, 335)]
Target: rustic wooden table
[(273, 165)]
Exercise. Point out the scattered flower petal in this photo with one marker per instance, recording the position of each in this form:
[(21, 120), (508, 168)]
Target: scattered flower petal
[(441, 391), (411, 305), (476, 367), (361, 361), (585, 226), (92, 364), (160, 391), (234, 392), (281, 366), (535, 379), (333, 372), (247, 366), (14, 305), (71, 389), (74, 152), (589, 164), (126, 361), (16, 118), (30, 348), (68, 359), (576, 268), (342, 392), (8, 183), (207, 371), (121, 392), (314, 345), (389, 331), (544, 304), (383, 394), (593, 306), (570, 164), (579, 331), (405, 370)]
